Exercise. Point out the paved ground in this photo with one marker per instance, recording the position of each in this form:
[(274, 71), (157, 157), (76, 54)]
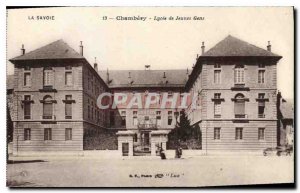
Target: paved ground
[(141, 172)]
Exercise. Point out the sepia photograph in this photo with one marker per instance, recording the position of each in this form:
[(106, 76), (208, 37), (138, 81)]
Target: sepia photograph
[(149, 96)]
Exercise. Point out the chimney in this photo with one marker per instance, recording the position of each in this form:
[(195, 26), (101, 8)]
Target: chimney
[(81, 48), (203, 48), (164, 75), (96, 65), (269, 46), (129, 78), (187, 73), (22, 50), (107, 77)]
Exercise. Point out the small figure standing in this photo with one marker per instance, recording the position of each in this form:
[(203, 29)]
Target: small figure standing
[(178, 152), (162, 154)]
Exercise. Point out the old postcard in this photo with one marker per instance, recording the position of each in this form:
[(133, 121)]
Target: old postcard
[(150, 96)]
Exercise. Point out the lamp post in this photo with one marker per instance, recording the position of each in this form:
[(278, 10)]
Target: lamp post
[(176, 122)]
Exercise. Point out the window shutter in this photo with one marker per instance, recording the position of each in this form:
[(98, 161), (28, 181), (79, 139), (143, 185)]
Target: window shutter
[(48, 109), (27, 109), (68, 77), (217, 107), (261, 103), (68, 109), (239, 107)]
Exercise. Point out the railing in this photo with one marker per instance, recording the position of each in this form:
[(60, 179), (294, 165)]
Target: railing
[(147, 126), (217, 116), (261, 115), (240, 116), (27, 117), (48, 117), (70, 117)]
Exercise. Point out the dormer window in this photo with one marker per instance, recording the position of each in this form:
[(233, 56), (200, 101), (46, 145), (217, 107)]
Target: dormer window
[(27, 68), (261, 65), (217, 65), (239, 74)]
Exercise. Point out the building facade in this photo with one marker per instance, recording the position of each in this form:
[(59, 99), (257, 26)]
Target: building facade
[(236, 85), (56, 91), (146, 121), (51, 97)]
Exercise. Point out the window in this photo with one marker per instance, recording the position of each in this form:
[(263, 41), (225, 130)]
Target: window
[(135, 120), (239, 106), (68, 107), (261, 105), (217, 76), (92, 84), (217, 65), (217, 109), (47, 134), (112, 118), (68, 134), (261, 109), (158, 95), (217, 95), (27, 79), (261, 95), (170, 118), (239, 74), (48, 76), (27, 68), (158, 118), (261, 65), (68, 78), (47, 107), (68, 67), (217, 133), (239, 133), (27, 134), (27, 107), (261, 76), (92, 110), (261, 133), (123, 115)]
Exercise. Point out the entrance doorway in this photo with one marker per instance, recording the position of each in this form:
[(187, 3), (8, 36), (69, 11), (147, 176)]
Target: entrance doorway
[(143, 145), (125, 149), (145, 141)]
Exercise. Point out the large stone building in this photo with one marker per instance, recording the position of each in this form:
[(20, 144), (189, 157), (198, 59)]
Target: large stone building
[(148, 126), (55, 93), (236, 84), (56, 90)]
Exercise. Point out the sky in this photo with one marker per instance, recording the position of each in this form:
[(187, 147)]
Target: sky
[(120, 45)]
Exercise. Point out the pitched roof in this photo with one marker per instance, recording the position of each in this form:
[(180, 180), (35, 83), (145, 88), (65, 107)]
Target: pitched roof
[(55, 50), (287, 110), (9, 82), (145, 78), (232, 46)]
